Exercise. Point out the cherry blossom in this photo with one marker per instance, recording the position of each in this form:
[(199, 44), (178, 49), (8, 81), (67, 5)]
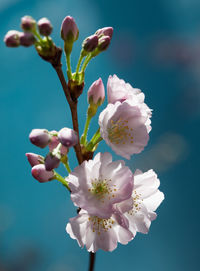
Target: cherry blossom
[(99, 233), (146, 199), (118, 90), (96, 185), (125, 127)]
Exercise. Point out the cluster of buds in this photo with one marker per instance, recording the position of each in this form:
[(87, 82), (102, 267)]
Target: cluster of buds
[(29, 36), (37, 34), (16, 38), (98, 42), (58, 143)]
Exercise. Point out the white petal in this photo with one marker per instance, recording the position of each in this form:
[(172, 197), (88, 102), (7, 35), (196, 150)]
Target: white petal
[(154, 200), (146, 183)]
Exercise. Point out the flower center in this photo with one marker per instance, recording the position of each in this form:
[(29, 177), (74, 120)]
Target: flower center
[(100, 224), (119, 132), (137, 200), (102, 189)]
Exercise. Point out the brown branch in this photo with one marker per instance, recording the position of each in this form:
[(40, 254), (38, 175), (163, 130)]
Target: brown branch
[(77, 147), (92, 261), (73, 108)]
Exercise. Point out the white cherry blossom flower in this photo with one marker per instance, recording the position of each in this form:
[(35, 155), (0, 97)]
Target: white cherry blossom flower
[(99, 233), (146, 199), (125, 127), (119, 91), (96, 185)]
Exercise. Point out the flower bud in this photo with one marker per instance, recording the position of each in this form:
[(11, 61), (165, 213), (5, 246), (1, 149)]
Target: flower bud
[(90, 43), (51, 161), (34, 159), (54, 143), (68, 137), (28, 23), (96, 93), (26, 39), (104, 42), (40, 173), (45, 27), (11, 39), (39, 137), (69, 30), (106, 31)]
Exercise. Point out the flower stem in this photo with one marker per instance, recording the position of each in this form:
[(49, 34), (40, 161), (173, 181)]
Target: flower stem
[(95, 135), (59, 178), (78, 67), (86, 62), (38, 36), (66, 164), (92, 261), (84, 136), (69, 70), (95, 140)]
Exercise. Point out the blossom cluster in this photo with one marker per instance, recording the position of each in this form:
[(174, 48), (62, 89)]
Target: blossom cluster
[(58, 143), (113, 202)]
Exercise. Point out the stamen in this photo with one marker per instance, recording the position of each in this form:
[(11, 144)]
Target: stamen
[(100, 224), (119, 132), (102, 189), (137, 200)]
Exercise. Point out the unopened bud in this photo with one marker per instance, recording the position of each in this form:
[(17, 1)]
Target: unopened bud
[(90, 43), (11, 39), (68, 137), (51, 161), (104, 42), (96, 93), (39, 137), (69, 30), (26, 39), (106, 31), (54, 143), (34, 159), (40, 173), (45, 27), (28, 23)]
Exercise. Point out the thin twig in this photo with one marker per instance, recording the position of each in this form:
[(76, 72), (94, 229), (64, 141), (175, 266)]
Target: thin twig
[(92, 261), (73, 108)]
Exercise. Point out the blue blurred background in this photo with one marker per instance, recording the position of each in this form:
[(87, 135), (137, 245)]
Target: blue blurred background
[(155, 47)]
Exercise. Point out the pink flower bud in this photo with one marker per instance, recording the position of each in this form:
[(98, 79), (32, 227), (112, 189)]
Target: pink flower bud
[(90, 43), (39, 137), (51, 161), (28, 23), (68, 137), (34, 159), (54, 143), (69, 30), (104, 42), (106, 31), (64, 150), (11, 39), (40, 173), (45, 27), (26, 39), (96, 92)]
